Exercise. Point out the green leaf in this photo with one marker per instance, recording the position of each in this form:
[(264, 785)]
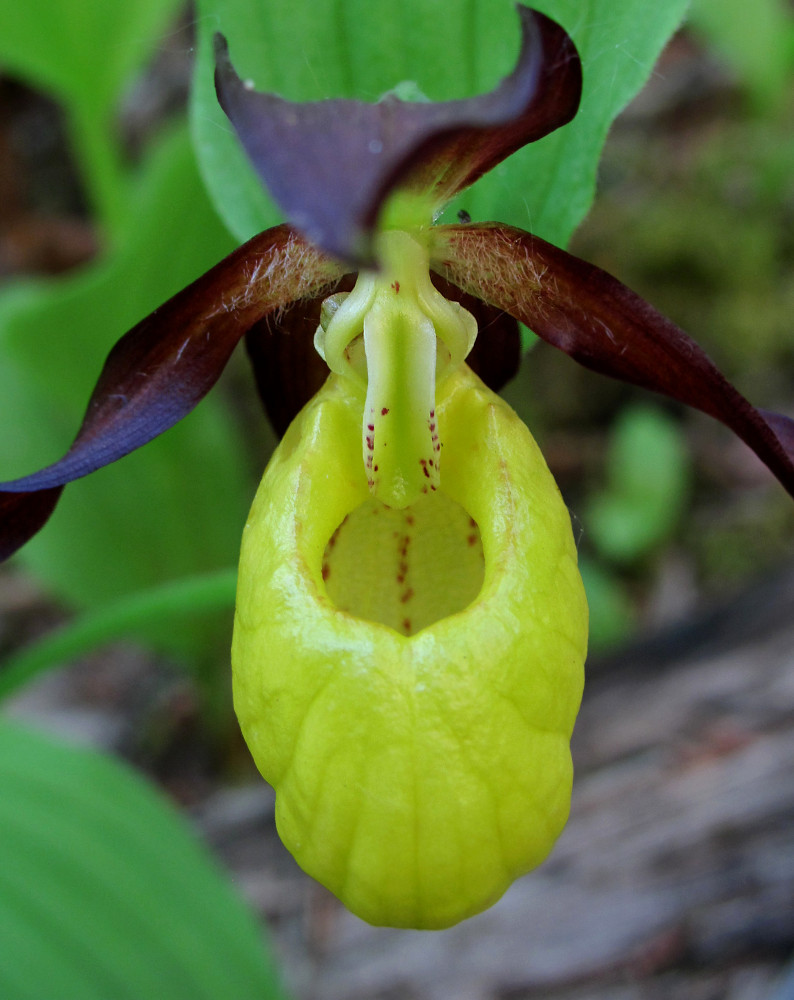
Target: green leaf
[(84, 54), (548, 187), (173, 509), (81, 52), (104, 891), (320, 48), (648, 475)]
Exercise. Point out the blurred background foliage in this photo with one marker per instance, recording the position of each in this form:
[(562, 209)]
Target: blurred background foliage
[(100, 181), (104, 213)]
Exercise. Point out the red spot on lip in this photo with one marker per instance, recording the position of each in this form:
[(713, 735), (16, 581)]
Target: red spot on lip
[(471, 539), (384, 411), (406, 596), (425, 470), (370, 427), (396, 286), (407, 624), (326, 571)]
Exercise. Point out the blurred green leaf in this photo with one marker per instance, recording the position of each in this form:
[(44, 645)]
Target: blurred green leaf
[(310, 49), (84, 53), (647, 483), (611, 615), (81, 51), (173, 509), (756, 39), (104, 892)]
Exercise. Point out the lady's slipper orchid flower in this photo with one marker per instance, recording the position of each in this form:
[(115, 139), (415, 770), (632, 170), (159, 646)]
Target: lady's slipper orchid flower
[(411, 627)]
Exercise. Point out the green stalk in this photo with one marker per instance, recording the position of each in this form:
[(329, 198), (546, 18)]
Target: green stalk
[(101, 167), (189, 596)]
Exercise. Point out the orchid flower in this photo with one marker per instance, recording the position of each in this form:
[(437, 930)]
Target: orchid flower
[(411, 627)]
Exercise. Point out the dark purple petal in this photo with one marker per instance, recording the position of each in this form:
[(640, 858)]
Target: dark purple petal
[(783, 428), (22, 515), (330, 165), (166, 364), (603, 325), (287, 368)]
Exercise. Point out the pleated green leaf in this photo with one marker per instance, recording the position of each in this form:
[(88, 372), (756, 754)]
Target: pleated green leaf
[(105, 893), (311, 49)]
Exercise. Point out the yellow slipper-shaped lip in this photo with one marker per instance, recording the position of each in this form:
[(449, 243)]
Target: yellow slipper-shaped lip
[(418, 774)]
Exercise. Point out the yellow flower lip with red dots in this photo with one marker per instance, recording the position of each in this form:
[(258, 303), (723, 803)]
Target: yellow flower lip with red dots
[(420, 765)]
